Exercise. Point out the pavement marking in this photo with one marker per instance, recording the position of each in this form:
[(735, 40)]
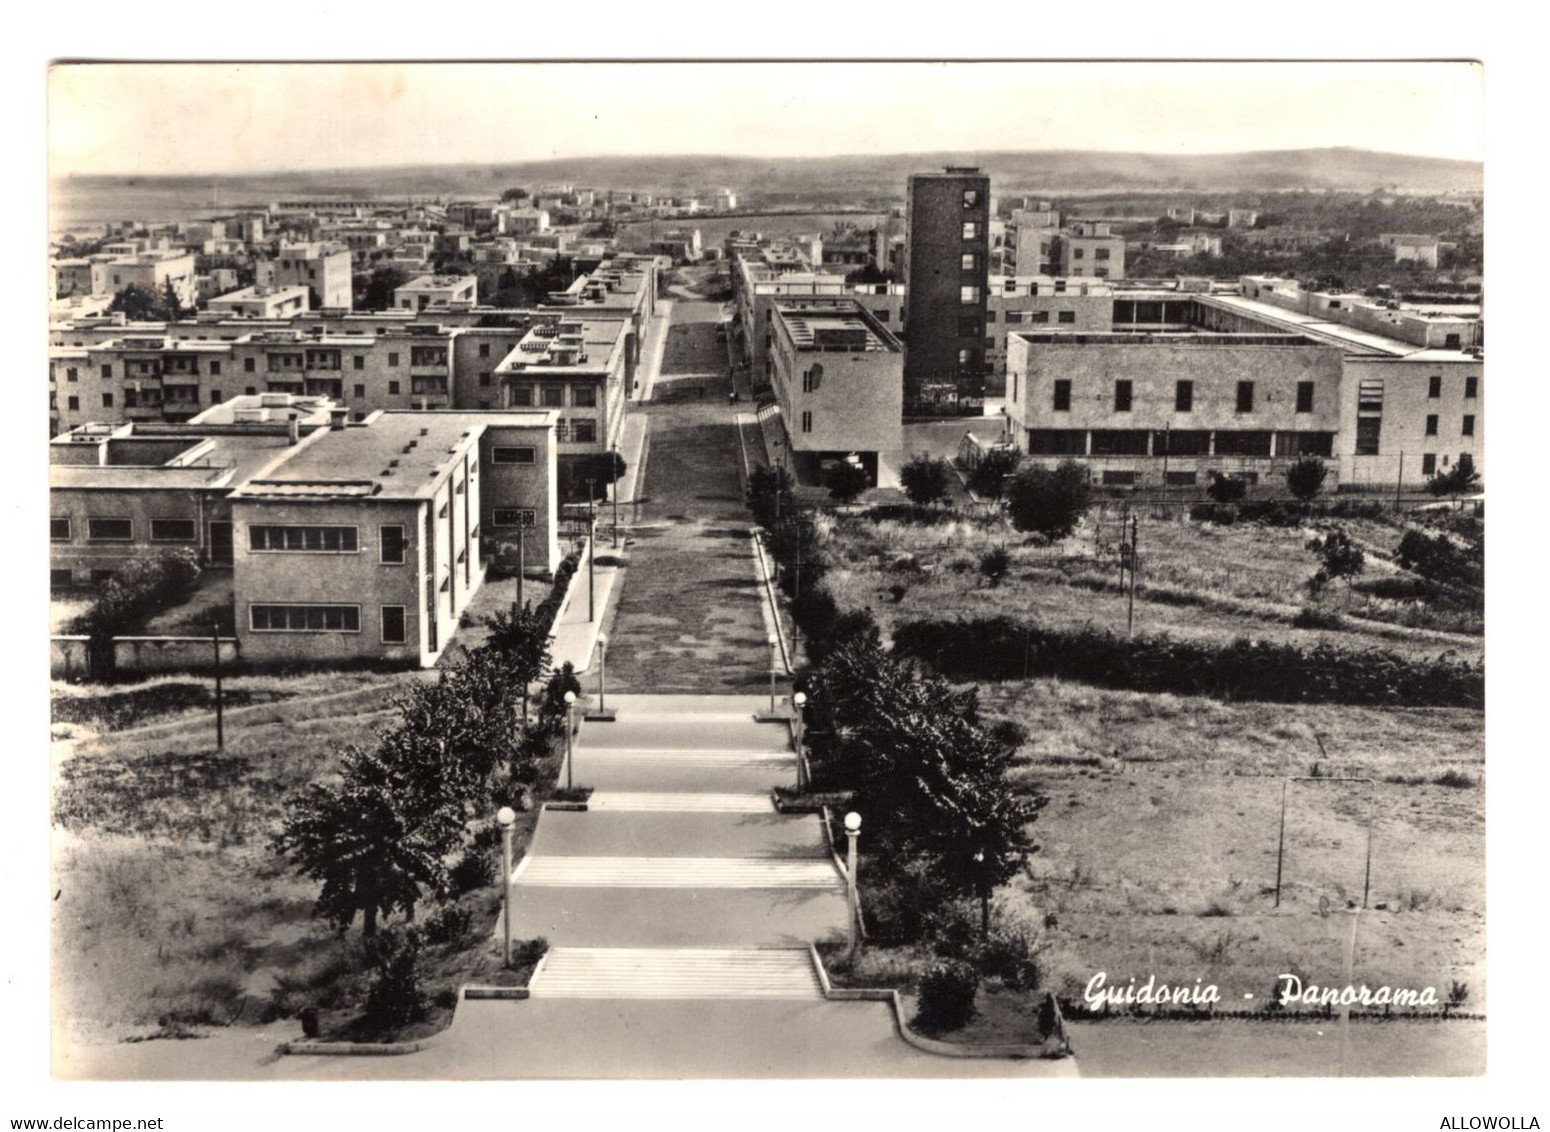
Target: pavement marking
[(622, 802), (677, 872), (603, 972)]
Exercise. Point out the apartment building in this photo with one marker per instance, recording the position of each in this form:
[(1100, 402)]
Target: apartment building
[(369, 540), (152, 271), (947, 276), (1089, 248), (838, 379), (260, 302), (1038, 302), (326, 270), (437, 291), (582, 368), (1412, 248), (123, 491)]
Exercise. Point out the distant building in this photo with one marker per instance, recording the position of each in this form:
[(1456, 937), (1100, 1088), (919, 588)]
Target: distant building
[(437, 291), (326, 271), (1242, 218), (946, 269), (726, 200), (1416, 249), (261, 302), (152, 271)]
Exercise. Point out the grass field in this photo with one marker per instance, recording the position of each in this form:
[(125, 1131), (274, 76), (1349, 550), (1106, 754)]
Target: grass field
[(1159, 843), (171, 910), (1197, 580)]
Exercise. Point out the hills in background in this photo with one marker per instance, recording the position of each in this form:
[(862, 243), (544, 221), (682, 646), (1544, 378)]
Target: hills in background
[(860, 178)]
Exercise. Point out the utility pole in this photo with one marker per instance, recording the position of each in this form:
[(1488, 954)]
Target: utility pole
[(521, 560), (1130, 616), (591, 554), (1399, 480), (616, 494), (220, 722), (1167, 444)]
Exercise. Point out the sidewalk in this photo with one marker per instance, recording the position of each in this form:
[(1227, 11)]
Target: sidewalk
[(655, 346), (575, 636)]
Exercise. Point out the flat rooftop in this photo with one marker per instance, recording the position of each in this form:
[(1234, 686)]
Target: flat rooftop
[(1205, 338), (438, 282), (1359, 341), (833, 330)]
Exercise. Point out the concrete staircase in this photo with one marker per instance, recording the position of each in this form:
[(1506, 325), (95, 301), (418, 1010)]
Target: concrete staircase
[(618, 802), (615, 972), (677, 872)]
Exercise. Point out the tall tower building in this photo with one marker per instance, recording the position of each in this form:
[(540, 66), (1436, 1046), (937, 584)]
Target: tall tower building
[(946, 275)]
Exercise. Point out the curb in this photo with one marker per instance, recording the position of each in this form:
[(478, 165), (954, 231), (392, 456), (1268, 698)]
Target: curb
[(786, 651), (1008, 1052)]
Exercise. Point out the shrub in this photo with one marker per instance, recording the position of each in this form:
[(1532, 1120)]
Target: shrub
[(1305, 478), (988, 478), (1224, 515), (448, 924), (1438, 558), (474, 869), (769, 495), (997, 648), (994, 564), (142, 587), (1311, 617), (899, 904), (395, 997), (947, 991), (1226, 489), (926, 480), (845, 481), (1457, 480), (1339, 557), (1011, 951), (1049, 503)]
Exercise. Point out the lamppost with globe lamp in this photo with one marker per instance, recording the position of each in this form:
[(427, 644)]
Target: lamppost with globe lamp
[(601, 714), (798, 725), (852, 829), (506, 817), (570, 729)]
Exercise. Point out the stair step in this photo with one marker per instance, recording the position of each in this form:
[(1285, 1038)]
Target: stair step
[(602, 972), (687, 757), (676, 872), (666, 803)]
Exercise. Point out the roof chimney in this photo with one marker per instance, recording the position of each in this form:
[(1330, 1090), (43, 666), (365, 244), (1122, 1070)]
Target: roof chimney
[(293, 430)]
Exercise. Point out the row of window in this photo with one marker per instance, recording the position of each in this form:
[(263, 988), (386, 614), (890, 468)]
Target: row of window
[(276, 362), (1467, 428), (273, 618), (1178, 442), (1037, 318), (1434, 387), (123, 530), (1183, 396), (583, 395)]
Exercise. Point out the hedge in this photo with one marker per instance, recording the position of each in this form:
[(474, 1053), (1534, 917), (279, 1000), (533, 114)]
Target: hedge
[(549, 608), (1000, 648), (1283, 513)]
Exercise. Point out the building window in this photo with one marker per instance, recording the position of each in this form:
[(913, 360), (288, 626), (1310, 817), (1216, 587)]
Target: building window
[(172, 530), (502, 454), (248, 365), (304, 539), (807, 421), (1038, 316), (968, 294), (1471, 388), (1115, 478), (1062, 396), (1067, 317), (1429, 464), (1368, 430), (107, 371), (393, 625), (971, 230), (522, 396), (1179, 479), (60, 579), (584, 396), (1434, 386), (391, 545), (71, 375), (1122, 393), (971, 198), (524, 517), (1431, 424), (1469, 425), (584, 432), (359, 361), (110, 530), (393, 388), (1078, 253), (304, 618), (484, 349), (360, 392), (1305, 396), (969, 262), (553, 396), (392, 359), (990, 316), (215, 369), (1245, 396), (107, 400), (1014, 318), (1184, 396), (59, 530), (251, 391), (484, 379), (1100, 253), (1369, 395)]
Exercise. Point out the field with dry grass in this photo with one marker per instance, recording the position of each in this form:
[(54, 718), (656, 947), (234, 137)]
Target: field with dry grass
[(1159, 844), (171, 911)]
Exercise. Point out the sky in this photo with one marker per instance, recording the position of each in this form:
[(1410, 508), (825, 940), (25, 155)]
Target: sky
[(236, 118)]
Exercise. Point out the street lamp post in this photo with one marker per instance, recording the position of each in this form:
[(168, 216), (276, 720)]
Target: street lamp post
[(570, 730), (616, 494), (799, 701), (507, 818), (852, 829), (602, 673), (979, 868), (774, 657)]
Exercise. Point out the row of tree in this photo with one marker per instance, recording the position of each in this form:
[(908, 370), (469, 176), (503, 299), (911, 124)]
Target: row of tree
[(404, 807)]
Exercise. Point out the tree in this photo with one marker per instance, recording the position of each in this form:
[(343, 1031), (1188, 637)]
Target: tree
[(845, 481), (994, 564), (1457, 480), (769, 495), (1306, 477), (514, 195), (926, 480), (171, 306), (376, 294), (1049, 503), (1339, 557), (519, 640), (601, 468), (140, 304), (1226, 489), (988, 478), (370, 840)]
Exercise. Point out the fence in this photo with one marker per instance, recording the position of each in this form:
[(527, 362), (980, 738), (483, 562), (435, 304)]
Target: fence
[(69, 656)]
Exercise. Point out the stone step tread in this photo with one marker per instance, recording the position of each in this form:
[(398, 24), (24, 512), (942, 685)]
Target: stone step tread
[(603, 972), (622, 801), (677, 872), (686, 757)]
